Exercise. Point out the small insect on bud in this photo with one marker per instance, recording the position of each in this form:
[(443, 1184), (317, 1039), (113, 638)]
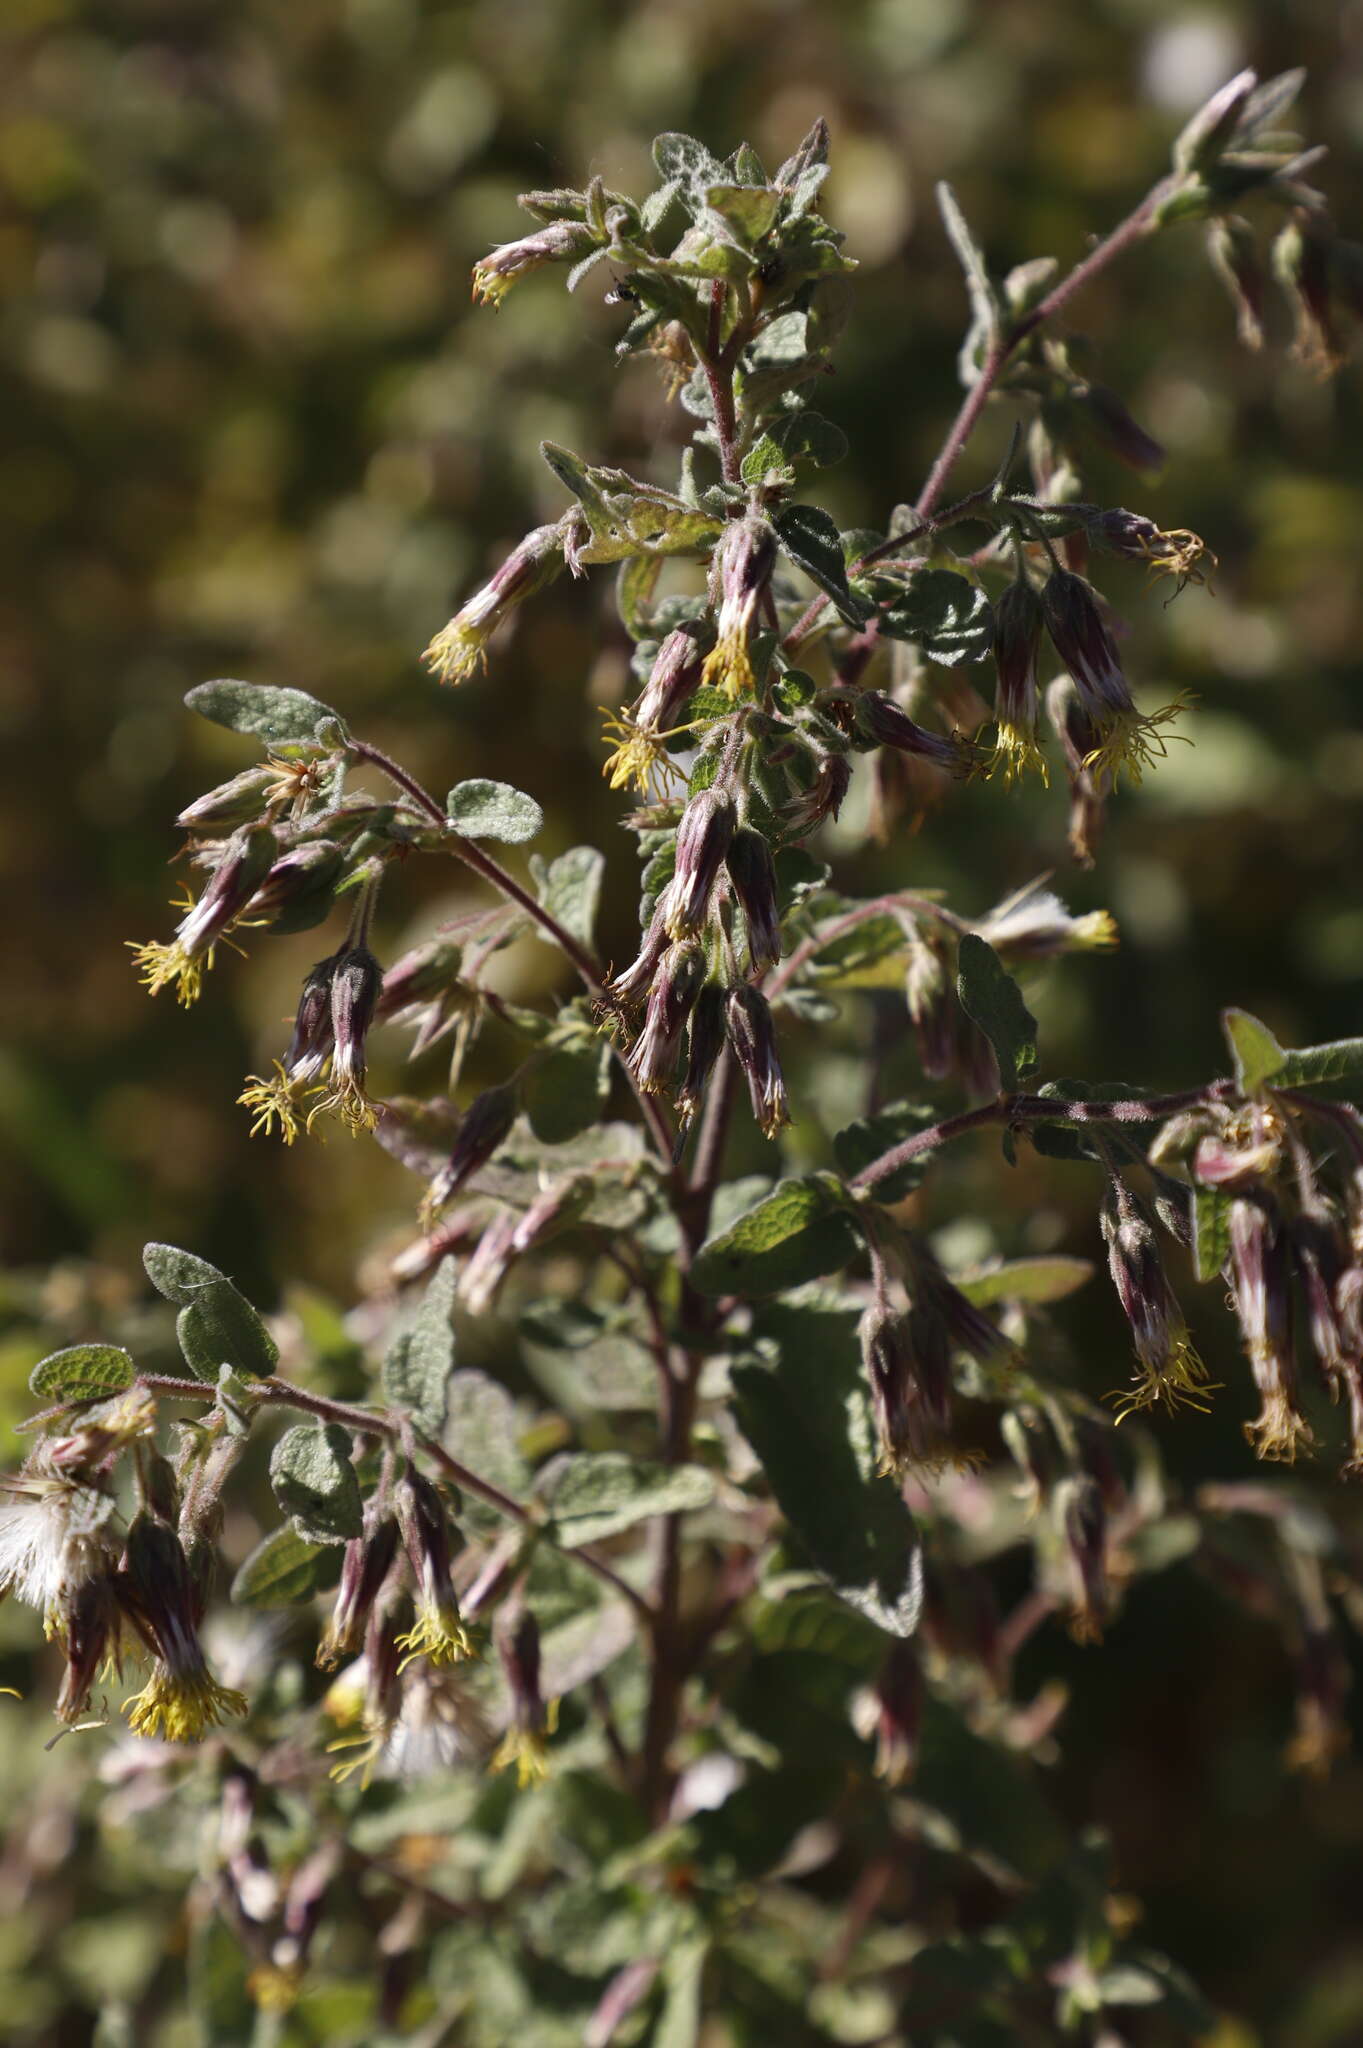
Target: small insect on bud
[(238, 802), (437, 1632), (880, 719), (1081, 740), (908, 1365), (364, 1568), (1234, 251), (639, 758), (704, 1044), (1170, 1369), (246, 860), (523, 1745), (703, 840), (562, 241), (482, 1128), (1083, 1527), (653, 1057), (740, 570), (752, 874), (753, 1038), (1017, 636), (459, 648), (182, 1699), (1129, 738), (1261, 1289)]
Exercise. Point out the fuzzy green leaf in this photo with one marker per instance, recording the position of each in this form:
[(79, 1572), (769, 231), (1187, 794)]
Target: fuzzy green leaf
[(570, 890), (1211, 1231), (82, 1372), (416, 1371), (811, 540), (806, 1414), (280, 1571), (599, 1493), (280, 717), (1314, 1064), (1256, 1052), (565, 1092), (748, 211), (796, 1233), (1035, 1280), (493, 810), (766, 463), (949, 616), (315, 1484), (224, 1328), (990, 996)]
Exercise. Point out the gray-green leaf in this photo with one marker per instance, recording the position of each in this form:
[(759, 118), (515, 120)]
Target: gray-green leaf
[(949, 616), (798, 1232), (315, 1484), (493, 810), (1314, 1064), (869, 1137), (280, 717), (571, 891), (1211, 1231), (812, 541), (224, 1329), (416, 1371), (1256, 1052), (281, 1570), (990, 996), (599, 1493), (82, 1372)]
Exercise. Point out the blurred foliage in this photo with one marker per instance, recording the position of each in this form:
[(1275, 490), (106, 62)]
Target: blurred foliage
[(251, 428)]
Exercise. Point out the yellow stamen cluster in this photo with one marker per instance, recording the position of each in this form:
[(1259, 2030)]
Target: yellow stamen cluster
[(349, 1101), (438, 1635), (1015, 754), (1133, 742), (525, 1751), (639, 760), (278, 1100), (166, 964), (459, 649), (181, 1708), (1177, 554), (491, 285), (1096, 928), (1278, 1432), (1180, 1381), (728, 666)]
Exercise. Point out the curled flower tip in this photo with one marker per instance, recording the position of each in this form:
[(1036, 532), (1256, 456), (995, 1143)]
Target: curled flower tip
[(459, 649), (181, 1707), (1133, 741), (278, 1100), (639, 759), (525, 1751), (1015, 753), (163, 965), (1278, 1432), (438, 1635)]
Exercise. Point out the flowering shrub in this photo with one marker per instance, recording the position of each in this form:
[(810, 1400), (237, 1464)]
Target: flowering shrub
[(692, 1702)]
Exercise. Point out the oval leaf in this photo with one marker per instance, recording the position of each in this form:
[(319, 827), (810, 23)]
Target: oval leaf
[(947, 615), (223, 1328), (1314, 1064), (798, 1232), (315, 1484), (1036, 1280), (992, 999), (1257, 1054), (493, 810), (83, 1372), (600, 1493), (267, 713), (416, 1372), (282, 1569)]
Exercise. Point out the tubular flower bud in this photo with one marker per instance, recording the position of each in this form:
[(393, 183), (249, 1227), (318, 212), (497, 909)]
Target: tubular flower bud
[(247, 859), (88, 1629), (485, 1123), (355, 989), (639, 759), (908, 1365), (238, 802), (492, 1259), (899, 1713), (653, 1056), (459, 648), (1081, 739), (1301, 264), (422, 990), (523, 1745), (1138, 539), (1017, 636), (182, 1700), (438, 1632), (562, 241), (298, 1075), (633, 983), (1263, 1307), (1033, 924), (822, 800), (1083, 1524), (739, 573), (364, 1568), (704, 1044), (753, 1038), (1170, 1368), (299, 887), (1128, 738), (752, 875), (1321, 1260), (703, 840), (881, 720)]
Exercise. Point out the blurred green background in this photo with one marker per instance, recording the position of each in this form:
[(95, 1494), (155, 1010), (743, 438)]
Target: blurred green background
[(252, 426)]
